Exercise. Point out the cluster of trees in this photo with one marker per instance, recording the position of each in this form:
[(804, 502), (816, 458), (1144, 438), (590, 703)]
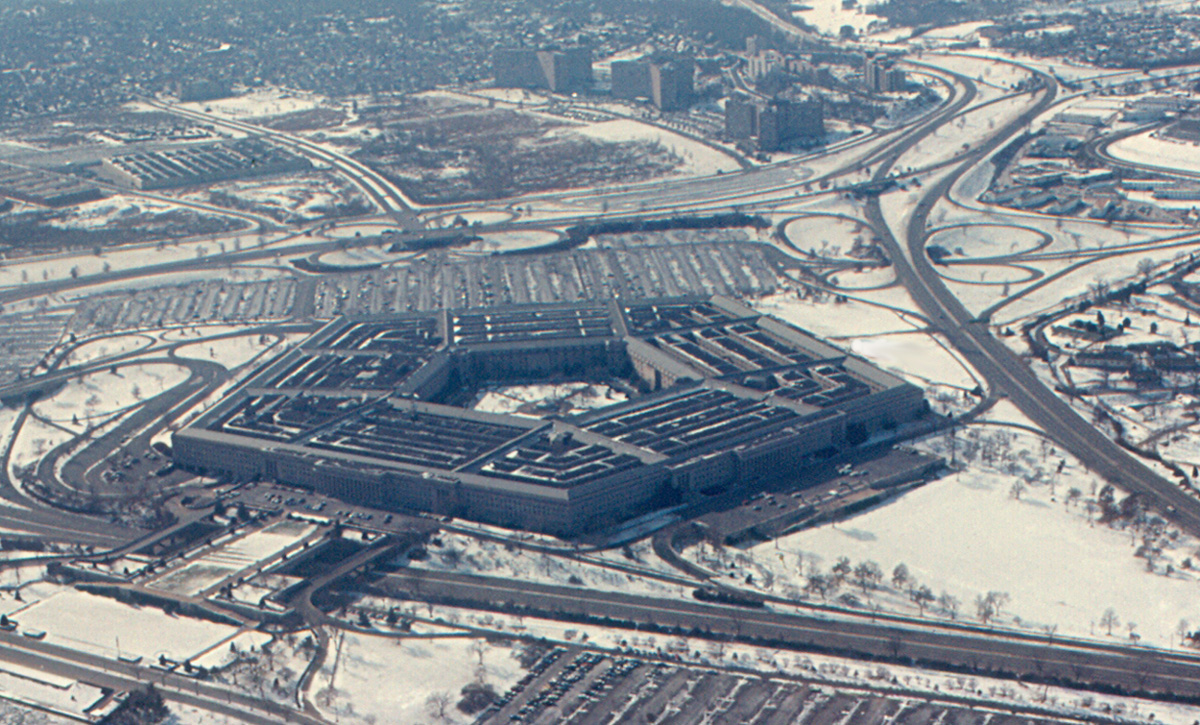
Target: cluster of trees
[(868, 577), (140, 707)]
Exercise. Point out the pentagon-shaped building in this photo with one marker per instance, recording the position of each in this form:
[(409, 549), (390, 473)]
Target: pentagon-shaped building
[(705, 393)]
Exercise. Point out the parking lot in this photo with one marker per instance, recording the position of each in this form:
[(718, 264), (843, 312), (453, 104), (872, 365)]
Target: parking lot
[(199, 303), (578, 687), (438, 282)]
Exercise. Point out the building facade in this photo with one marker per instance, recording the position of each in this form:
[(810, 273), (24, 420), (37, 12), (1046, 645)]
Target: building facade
[(561, 71)]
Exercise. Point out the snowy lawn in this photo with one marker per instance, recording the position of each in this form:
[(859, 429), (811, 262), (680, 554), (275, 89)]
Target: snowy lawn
[(382, 680), (102, 394), (974, 532), (699, 160), (109, 346), (230, 352)]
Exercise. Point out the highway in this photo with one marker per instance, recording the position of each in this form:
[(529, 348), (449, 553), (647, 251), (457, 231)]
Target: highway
[(119, 676), (1004, 369), (1082, 663)]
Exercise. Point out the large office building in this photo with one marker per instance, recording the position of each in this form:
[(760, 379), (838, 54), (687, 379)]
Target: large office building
[(774, 124), (667, 82), (881, 76), (380, 411), (566, 70)]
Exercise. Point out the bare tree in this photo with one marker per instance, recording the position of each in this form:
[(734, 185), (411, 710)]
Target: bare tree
[(921, 596), (437, 703), (984, 608), (1017, 489), (1109, 619), (818, 584), (841, 570), (949, 604), (868, 575), (988, 606), (1145, 266)]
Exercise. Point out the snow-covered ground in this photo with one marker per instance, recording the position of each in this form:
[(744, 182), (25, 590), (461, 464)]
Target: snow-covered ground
[(985, 240), (109, 346), (890, 338), (539, 400), (464, 553), (372, 679), (829, 16), (929, 359), (255, 104), (363, 255), (231, 352), (1042, 545), (69, 618), (698, 159), (828, 319), (509, 241), (99, 395), (33, 441), (1149, 148), (99, 214), (831, 671)]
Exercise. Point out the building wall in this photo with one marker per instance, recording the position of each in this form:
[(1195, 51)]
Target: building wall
[(630, 79), (672, 84), (561, 71), (740, 118)]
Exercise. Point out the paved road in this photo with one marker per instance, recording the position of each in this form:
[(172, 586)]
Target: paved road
[(1000, 366), (983, 651), (118, 675)]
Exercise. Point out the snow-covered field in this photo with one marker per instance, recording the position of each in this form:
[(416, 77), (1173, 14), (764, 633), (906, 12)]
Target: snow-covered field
[(831, 671), (33, 441), (99, 214), (832, 319), (102, 394), (1041, 545), (107, 347), (890, 338), (231, 352), (362, 255), (508, 241), (916, 355), (1148, 148), (699, 160), (384, 680), (829, 16), (985, 240), (69, 618), (258, 103)]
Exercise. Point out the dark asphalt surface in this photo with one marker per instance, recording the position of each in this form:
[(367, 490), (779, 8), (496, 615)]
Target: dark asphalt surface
[(1084, 663)]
